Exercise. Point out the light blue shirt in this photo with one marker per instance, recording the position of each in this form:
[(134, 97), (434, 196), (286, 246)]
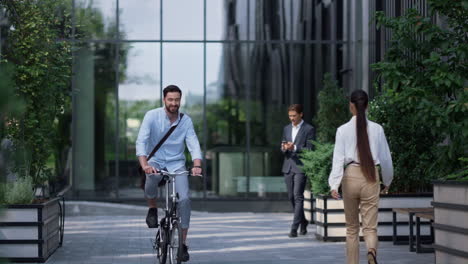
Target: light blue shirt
[(170, 155)]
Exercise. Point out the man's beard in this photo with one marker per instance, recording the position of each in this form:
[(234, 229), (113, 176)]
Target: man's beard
[(174, 111)]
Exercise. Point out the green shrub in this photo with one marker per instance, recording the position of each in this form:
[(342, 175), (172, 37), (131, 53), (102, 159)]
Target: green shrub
[(413, 149), (461, 175), (317, 167), (332, 113), (333, 110), (18, 192), (424, 77)]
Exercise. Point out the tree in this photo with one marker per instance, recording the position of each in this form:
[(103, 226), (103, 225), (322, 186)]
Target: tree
[(41, 79), (332, 113), (333, 110), (424, 78)]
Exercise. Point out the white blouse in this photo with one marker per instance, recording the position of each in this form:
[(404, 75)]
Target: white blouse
[(346, 151)]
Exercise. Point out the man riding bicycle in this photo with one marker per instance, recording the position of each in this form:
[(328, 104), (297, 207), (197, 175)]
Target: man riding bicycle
[(155, 125)]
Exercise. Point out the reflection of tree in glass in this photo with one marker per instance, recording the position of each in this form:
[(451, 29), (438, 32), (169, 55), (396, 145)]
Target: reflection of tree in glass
[(226, 123), (90, 25), (132, 113)]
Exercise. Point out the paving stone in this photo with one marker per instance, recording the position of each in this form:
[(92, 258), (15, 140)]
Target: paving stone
[(214, 238)]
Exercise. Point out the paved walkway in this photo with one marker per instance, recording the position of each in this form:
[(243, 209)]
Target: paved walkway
[(118, 234)]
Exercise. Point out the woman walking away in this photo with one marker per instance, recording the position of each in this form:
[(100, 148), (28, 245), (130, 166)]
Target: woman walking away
[(360, 147)]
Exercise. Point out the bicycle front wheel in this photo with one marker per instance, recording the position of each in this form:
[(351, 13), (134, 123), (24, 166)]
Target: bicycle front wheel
[(162, 242), (176, 242)]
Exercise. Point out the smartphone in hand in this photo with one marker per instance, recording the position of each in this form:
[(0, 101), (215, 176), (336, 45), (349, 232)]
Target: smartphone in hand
[(283, 143)]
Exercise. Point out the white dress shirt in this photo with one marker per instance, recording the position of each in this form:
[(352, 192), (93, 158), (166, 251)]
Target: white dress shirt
[(155, 125), (346, 151), (295, 130)]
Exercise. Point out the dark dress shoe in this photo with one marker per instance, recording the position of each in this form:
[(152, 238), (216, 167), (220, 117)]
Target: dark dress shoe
[(293, 233), (152, 218), (303, 230), (185, 255)]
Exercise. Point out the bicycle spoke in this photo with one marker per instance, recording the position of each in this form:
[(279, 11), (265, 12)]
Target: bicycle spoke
[(175, 243)]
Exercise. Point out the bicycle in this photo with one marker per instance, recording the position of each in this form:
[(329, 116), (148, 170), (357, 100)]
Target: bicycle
[(169, 233)]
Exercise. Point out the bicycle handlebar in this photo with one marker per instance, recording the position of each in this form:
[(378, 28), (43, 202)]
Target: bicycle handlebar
[(166, 173)]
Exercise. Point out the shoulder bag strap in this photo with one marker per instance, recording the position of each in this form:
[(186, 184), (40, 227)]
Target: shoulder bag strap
[(164, 138)]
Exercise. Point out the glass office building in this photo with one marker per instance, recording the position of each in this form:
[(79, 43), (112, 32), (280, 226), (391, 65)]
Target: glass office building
[(239, 63)]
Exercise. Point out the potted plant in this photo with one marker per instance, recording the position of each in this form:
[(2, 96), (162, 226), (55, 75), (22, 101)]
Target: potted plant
[(31, 221), (317, 166), (332, 112), (29, 232)]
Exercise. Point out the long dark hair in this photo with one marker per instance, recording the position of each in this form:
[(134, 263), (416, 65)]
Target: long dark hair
[(360, 99)]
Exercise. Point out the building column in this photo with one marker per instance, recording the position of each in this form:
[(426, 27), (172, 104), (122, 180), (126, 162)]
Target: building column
[(83, 117)]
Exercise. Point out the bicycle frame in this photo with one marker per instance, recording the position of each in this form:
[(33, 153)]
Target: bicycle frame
[(170, 218), (170, 180)]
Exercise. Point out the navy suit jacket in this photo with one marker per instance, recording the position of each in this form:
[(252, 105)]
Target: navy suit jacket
[(306, 133)]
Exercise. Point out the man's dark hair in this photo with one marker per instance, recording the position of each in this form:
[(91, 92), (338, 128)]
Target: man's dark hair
[(296, 107), (171, 89)]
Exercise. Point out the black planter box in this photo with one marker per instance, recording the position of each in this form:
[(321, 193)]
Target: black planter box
[(309, 206), (30, 232)]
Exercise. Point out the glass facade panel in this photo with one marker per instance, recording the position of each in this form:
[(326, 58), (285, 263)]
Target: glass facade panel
[(95, 129), (95, 19), (258, 57), (271, 93), (139, 92), (183, 66), (227, 20), (271, 20), (216, 19), (183, 19), (139, 19), (226, 79)]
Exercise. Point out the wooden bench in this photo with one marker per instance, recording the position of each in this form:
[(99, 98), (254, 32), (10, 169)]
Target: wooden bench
[(419, 247), (410, 212)]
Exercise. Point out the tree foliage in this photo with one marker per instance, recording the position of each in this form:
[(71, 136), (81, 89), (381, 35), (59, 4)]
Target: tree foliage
[(41, 79), (424, 83), (333, 110), (317, 167), (332, 113), (412, 147)]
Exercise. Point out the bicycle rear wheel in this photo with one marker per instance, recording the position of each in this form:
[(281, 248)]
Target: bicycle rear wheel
[(176, 242)]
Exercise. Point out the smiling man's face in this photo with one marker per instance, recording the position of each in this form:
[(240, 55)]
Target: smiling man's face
[(172, 102)]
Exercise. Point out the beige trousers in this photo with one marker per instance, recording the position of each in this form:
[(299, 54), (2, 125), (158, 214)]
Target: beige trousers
[(359, 197)]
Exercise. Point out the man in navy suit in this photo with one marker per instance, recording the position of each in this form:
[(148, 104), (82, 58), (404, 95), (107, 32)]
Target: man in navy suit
[(297, 137)]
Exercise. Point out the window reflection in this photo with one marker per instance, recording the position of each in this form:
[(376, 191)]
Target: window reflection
[(248, 85), (183, 66), (226, 65), (139, 92), (95, 101), (139, 19), (226, 19), (182, 19), (95, 19)]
